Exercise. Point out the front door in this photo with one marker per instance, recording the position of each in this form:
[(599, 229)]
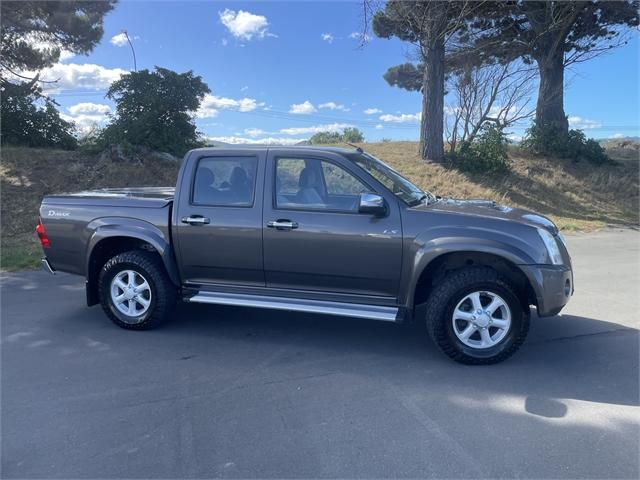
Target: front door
[(219, 220), (315, 239)]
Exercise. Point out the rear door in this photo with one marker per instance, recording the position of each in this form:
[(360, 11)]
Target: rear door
[(315, 239), (218, 218)]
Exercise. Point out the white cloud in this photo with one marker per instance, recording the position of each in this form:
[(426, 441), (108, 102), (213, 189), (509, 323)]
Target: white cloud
[(211, 104), (88, 108), (379, 126), (401, 118), (245, 25), (74, 76), (224, 42), (372, 111), (304, 108), (583, 123), (259, 141), (327, 37), (254, 132), (244, 89), (333, 127), (87, 115), (119, 40), (333, 106), (618, 135), (359, 36)]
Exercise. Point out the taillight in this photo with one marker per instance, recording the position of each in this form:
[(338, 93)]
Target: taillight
[(42, 235)]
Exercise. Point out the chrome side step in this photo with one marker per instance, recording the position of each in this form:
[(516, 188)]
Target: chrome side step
[(373, 312)]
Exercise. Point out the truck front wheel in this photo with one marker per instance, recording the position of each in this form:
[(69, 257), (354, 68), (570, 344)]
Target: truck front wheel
[(475, 316), (135, 290)]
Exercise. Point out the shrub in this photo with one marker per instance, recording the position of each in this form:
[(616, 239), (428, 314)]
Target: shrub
[(30, 118), (349, 135), (486, 153), (352, 135), (154, 110), (551, 140)]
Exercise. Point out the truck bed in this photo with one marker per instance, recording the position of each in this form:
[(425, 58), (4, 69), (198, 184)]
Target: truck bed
[(152, 197)]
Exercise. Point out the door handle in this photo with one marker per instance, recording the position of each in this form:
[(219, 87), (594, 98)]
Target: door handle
[(196, 220), (282, 224)]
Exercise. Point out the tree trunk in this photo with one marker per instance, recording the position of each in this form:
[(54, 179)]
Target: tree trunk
[(432, 124), (550, 106)]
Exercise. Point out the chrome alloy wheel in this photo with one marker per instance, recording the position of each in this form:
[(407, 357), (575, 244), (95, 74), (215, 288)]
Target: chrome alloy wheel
[(481, 320), (131, 294)]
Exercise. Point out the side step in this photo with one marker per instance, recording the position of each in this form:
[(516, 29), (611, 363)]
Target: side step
[(373, 312)]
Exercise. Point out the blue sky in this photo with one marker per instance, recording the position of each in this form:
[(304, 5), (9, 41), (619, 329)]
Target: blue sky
[(284, 70)]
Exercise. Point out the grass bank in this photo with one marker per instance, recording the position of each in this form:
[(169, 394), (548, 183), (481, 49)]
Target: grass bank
[(577, 196)]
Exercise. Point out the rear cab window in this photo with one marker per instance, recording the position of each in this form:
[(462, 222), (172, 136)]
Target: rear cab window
[(225, 181)]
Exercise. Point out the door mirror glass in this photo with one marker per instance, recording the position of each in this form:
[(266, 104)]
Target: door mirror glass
[(372, 204)]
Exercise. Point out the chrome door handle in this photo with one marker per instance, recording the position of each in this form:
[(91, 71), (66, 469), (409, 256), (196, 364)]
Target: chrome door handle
[(196, 220), (282, 224)]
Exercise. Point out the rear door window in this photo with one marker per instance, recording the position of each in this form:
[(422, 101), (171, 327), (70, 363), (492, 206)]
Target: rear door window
[(225, 181)]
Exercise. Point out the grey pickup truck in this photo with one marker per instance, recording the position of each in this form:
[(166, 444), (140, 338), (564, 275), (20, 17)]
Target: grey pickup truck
[(324, 230)]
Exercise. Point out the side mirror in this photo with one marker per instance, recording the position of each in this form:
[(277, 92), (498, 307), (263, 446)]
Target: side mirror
[(372, 204)]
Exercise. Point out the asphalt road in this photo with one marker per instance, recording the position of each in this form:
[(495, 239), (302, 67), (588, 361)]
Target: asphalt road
[(234, 392)]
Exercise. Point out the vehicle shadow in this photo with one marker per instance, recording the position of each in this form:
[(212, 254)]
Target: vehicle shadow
[(565, 356)]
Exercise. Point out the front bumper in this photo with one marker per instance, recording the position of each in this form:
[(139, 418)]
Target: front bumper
[(552, 285)]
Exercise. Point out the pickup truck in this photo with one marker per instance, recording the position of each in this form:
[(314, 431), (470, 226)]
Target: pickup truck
[(326, 230)]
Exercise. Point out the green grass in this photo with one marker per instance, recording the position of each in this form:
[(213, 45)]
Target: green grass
[(20, 256)]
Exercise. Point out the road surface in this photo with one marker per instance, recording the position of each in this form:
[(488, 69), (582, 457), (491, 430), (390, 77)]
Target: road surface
[(235, 392)]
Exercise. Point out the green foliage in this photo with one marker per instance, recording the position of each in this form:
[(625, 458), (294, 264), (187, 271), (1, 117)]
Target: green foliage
[(352, 135), (551, 140), (29, 118), (153, 110), (486, 153), (55, 25), (349, 135)]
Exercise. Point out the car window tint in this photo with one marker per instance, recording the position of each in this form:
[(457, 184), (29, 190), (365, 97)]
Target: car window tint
[(317, 185), (225, 181)]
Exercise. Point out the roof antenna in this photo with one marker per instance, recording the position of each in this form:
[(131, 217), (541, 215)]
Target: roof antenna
[(358, 149)]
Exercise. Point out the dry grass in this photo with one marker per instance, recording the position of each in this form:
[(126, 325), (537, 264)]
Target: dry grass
[(577, 196), (26, 175)]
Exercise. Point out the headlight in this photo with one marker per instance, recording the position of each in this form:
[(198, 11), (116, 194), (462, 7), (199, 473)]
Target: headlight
[(552, 246)]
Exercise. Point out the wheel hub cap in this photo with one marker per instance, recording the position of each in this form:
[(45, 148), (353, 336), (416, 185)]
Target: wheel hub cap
[(481, 319), (131, 294)]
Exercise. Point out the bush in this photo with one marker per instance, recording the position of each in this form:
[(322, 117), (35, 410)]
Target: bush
[(487, 152), (349, 135), (154, 110), (352, 135), (550, 140), (31, 119)]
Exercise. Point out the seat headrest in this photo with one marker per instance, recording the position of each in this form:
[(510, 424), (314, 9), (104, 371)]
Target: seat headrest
[(308, 178), (238, 176), (204, 177)]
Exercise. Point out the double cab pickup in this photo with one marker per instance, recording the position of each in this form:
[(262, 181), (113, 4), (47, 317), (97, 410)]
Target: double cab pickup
[(327, 230)]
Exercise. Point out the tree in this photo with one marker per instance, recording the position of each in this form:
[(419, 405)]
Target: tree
[(31, 119), (33, 33), (352, 135), (553, 34), (430, 26), (349, 135), (496, 94), (154, 109)]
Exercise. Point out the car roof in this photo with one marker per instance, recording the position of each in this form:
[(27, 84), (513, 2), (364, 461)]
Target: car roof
[(298, 148)]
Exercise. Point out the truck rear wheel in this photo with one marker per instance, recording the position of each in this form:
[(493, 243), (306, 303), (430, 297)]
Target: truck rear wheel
[(135, 290), (475, 316)]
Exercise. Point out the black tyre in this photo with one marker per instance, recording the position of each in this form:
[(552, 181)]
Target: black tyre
[(475, 316), (135, 290)]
